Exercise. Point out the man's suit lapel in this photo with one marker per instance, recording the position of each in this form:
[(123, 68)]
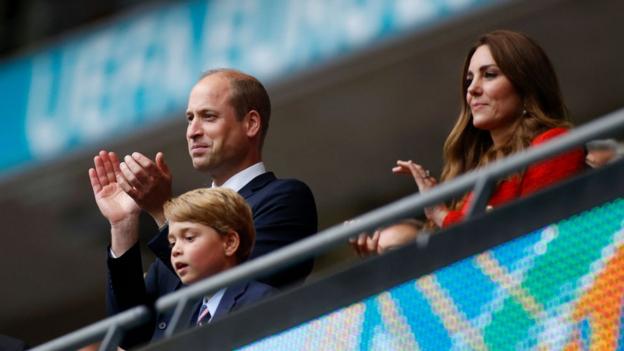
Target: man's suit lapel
[(233, 294), (258, 182)]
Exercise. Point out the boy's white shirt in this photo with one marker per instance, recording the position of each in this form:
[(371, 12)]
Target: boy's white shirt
[(213, 302)]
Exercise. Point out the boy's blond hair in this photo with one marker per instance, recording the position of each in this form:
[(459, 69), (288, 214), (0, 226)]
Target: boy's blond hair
[(222, 209)]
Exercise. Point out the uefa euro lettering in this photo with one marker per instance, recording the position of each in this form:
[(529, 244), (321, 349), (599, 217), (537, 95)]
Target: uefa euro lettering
[(122, 75)]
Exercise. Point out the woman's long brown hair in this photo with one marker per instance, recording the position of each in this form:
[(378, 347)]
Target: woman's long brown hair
[(532, 75)]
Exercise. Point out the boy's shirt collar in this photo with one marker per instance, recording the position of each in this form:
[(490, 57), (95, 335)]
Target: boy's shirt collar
[(213, 302)]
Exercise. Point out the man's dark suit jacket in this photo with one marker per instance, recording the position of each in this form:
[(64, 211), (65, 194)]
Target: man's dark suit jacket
[(8, 343), (284, 211)]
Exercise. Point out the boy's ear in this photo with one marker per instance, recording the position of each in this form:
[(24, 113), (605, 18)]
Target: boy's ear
[(231, 242)]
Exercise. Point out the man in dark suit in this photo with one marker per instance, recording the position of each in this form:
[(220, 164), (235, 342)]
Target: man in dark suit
[(228, 116), (8, 343)]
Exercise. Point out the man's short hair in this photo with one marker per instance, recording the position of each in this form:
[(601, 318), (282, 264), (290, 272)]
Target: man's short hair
[(222, 209), (247, 94)]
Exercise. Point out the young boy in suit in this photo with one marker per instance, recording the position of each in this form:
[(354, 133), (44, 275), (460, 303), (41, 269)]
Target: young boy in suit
[(210, 231)]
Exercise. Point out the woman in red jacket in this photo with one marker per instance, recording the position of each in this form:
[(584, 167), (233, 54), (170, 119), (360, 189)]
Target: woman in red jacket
[(511, 101)]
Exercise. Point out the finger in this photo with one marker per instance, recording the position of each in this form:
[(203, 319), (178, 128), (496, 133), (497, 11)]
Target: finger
[(162, 165), (375, 241), (424, 183), (361, 245), (419, 171), (424, 173), (100, 171), (371, 245), (409, 165), (400, 170), (361, 240), (143, 161), (353, 239), (416, 170), (404, 163), (152, 170), (125, 180), (405, 167), (139, 175), (431, 181), (353, 243), (115, 161), (95, 181), (376, 236), (421, 183), (132, 192), (108, 166)]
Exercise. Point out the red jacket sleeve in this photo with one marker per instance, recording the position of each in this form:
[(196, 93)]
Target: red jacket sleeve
[(536, 177), (545, 173), (453, 217)]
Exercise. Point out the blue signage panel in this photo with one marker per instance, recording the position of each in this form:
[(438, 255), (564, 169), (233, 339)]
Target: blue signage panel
[(139, 68)]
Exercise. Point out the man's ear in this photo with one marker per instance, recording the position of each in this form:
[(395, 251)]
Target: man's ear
[(231, 242), (253, 123)]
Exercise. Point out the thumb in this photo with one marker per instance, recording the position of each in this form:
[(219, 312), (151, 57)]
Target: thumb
[(161, 164)]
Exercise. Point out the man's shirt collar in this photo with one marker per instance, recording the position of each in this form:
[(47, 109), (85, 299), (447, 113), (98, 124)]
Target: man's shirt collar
[(242, 178)]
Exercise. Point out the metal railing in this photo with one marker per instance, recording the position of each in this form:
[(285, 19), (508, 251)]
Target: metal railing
[(480, 181)]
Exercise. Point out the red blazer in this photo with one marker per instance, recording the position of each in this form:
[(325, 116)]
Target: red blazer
[(536, 177)]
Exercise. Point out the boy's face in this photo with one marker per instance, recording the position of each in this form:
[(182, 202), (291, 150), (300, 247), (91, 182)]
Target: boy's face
[(197, 251)]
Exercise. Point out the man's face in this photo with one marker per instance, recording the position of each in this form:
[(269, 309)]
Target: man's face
[(197, 251), (217, 140)]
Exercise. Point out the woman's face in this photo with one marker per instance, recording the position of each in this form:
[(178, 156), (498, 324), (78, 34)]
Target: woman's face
[(493, 100)]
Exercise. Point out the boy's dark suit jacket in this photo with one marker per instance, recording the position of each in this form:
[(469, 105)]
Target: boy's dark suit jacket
[(284, 211), (126, 289), (235, 297)]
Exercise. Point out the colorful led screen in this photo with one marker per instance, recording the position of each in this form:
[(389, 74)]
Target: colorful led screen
[(558, 288)]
